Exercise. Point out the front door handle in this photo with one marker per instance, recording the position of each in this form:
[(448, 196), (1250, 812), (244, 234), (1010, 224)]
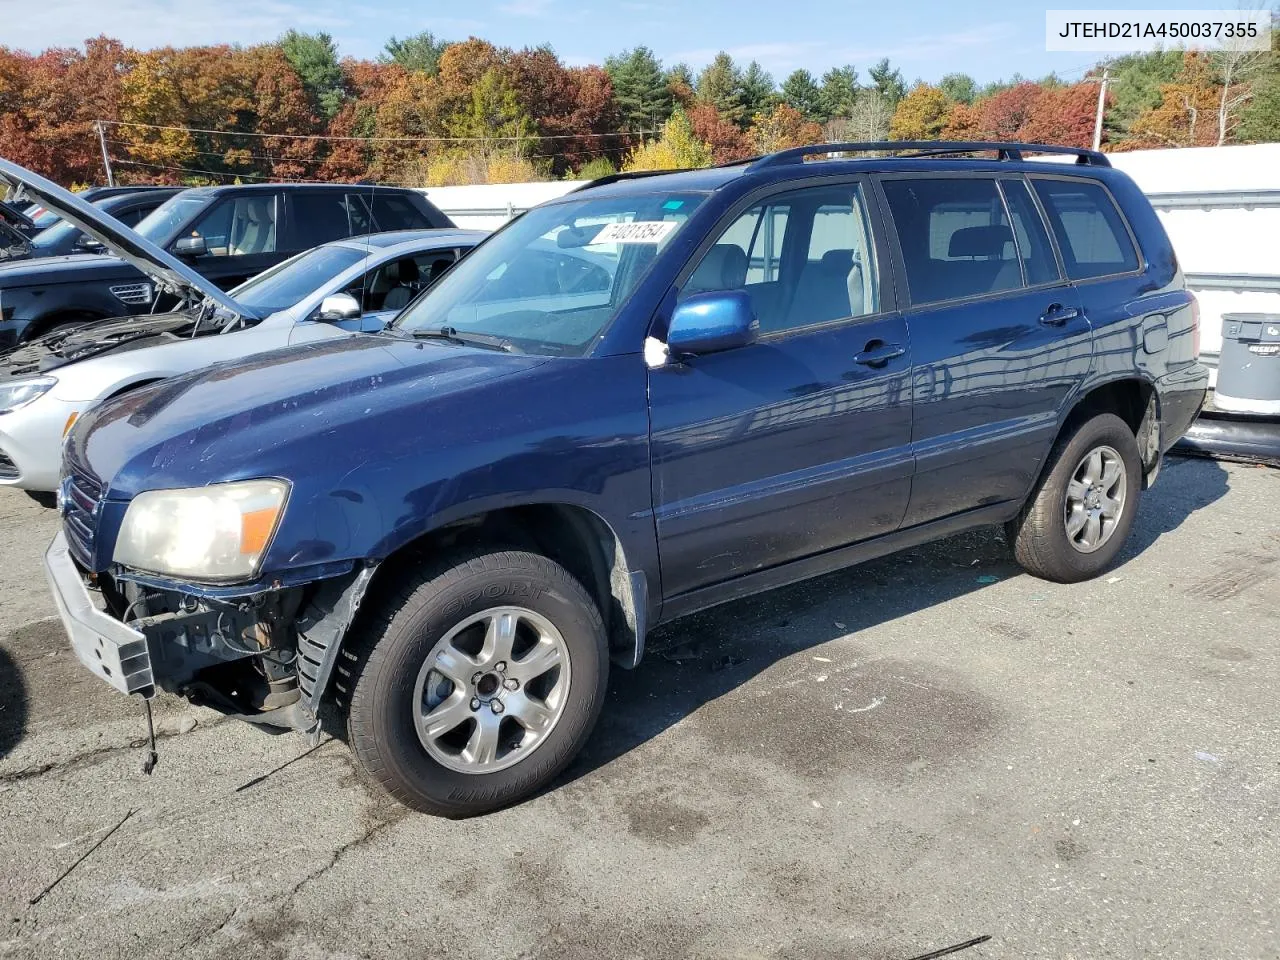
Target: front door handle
[(877, 353), (1057, 315)]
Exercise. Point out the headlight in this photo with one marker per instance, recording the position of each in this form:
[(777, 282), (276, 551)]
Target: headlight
[(214, 533), (20, 392)]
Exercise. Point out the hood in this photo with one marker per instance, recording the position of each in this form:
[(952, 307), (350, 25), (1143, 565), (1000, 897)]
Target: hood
[(167, 271), (65, 345), (70, 268), (279, 412)]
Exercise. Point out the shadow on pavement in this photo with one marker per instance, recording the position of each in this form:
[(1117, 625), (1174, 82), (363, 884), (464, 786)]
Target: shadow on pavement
[(697, 660), (13, 704)]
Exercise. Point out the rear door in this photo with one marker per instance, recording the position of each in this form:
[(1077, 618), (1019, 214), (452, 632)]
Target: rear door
[(999, 339), (799, 443)]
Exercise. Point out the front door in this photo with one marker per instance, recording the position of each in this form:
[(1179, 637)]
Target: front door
[(800, 442), (999, 339), (241, 238)]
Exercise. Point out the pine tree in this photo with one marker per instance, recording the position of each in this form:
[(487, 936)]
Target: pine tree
[(959, 87), (419, 52), (839, 92), (315, 58), (720, 84), (759, 94), (801, 92), (644, 98)]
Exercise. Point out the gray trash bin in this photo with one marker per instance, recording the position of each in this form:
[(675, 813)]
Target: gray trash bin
[(1249, 365)]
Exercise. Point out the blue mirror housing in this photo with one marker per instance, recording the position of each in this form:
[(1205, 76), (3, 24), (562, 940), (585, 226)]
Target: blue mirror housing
[(708, 322)]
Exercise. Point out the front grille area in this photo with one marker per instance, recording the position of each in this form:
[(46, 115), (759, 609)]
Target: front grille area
[(80, 515), (8, 469), (132, 293)]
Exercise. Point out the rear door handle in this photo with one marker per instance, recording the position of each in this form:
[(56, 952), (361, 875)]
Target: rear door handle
[(877, 353), (1057, 315)]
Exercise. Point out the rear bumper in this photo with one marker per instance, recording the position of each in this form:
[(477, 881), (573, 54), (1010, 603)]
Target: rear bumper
[(113, 652), (1182, 395)]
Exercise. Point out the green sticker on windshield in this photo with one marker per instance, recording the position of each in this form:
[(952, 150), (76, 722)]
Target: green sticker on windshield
[(673, 205)]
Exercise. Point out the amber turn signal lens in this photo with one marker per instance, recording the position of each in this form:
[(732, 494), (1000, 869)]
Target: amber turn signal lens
[(255, 529), (66, 427)]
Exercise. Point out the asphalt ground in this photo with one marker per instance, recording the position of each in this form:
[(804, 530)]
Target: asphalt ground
[(881, 763)]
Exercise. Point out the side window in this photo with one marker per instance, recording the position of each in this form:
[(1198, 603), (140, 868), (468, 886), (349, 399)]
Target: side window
[(1090, 231), (393, 284), (955, 237), (318, 218), (394, 212), (130, 218), (358, 214), (432, 266), (1032, 239), (240, 226), (804, 257)]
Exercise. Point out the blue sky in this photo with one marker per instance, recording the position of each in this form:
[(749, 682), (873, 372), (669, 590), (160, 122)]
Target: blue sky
[(924, 38)]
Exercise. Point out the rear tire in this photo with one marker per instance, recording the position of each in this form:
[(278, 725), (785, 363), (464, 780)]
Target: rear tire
[(448, 711), (1077, 519)]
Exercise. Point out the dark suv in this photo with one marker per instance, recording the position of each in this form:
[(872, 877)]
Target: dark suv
[(694, 386), (227, 233)]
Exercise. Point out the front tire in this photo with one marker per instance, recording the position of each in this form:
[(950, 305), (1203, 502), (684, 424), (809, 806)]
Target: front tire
[(476, 683), (1079, 516)]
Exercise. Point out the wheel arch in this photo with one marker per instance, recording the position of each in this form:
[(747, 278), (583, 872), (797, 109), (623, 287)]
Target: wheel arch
[(573, 535), (1135, 400)]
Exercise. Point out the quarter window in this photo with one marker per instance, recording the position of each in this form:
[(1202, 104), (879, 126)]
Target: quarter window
[(1090, 231), (955, 237), (805, 257)]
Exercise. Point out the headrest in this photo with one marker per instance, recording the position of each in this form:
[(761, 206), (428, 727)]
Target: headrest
[(980, 242), (837, 261), (723, 268), (402, 271), (257, 210)]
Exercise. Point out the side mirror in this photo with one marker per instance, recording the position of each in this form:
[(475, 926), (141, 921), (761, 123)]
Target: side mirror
[(709, 322), (338, 306), (88, 244), (190, 246)]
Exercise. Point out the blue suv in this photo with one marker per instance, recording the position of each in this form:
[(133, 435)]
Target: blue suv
[(656, 394)]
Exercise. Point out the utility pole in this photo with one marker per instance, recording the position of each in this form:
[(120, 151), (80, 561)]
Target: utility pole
[(1102, 102), (106, 160)]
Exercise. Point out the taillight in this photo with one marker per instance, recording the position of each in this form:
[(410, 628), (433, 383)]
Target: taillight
[(1195, 327)]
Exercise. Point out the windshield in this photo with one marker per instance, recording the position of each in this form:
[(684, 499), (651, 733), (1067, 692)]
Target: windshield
[(162, 225), (61, 230), (287, 283), (552, 280)]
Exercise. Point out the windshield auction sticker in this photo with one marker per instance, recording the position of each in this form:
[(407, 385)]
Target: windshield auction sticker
[(1140, 31), (637, 231)]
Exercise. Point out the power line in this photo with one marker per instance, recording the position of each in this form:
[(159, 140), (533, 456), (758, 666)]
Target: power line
[(327, 137), (215, 173)]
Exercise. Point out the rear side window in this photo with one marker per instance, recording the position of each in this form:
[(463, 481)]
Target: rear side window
[(1090, 230), (394, 212), (319, 217), (957, 240)]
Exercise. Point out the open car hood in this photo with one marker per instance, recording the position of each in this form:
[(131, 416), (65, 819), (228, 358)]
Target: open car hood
[(169, 273)]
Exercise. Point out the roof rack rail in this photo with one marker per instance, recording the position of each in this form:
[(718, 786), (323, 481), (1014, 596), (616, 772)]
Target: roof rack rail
[(632, 175), (932, 148)]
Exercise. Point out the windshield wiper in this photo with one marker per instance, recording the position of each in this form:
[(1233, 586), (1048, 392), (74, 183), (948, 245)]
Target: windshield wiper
[(466, 338)]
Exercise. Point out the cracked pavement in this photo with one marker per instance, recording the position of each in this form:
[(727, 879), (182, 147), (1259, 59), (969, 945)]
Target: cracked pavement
[(876, 764)]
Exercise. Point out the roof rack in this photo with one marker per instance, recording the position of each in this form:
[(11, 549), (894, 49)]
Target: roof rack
[(632, 175), (932, 148)]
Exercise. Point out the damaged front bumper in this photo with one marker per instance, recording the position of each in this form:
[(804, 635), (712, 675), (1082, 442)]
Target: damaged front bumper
[(106, 647), (265, 658)]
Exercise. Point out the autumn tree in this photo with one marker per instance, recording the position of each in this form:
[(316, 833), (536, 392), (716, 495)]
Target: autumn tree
[(963, 123), (680, 86), (677, 149), (1187, 113), (782, 128), (921, 114), (726, 141), (1003, 116), (1064, 115)]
